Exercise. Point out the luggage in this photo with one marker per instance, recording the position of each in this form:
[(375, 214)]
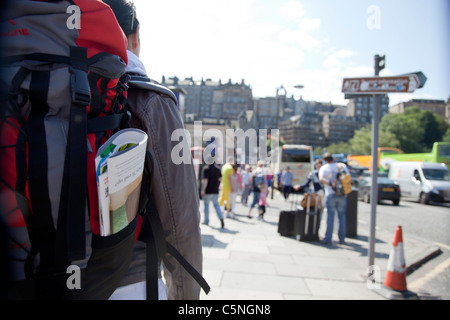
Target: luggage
[(62, 95), (287, 218), (343, 183), (307, 221), (286, 223), (301, 223)]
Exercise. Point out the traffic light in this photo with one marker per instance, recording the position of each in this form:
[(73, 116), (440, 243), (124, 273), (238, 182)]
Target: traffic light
[(380, 64)]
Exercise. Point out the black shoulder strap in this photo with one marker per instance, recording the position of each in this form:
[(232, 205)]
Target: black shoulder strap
[(71, 221), (148, 84), (157, 246)]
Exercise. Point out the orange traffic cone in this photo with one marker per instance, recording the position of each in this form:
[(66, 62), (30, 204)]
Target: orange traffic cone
[(396, 273), (395, 283)]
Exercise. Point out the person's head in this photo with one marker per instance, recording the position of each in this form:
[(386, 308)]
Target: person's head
[(328, 157), (288, 169), (125, 13), (318, 164)]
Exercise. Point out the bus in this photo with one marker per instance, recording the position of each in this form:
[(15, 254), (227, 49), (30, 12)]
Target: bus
[(366, 160), (439, 154), (299, 158)]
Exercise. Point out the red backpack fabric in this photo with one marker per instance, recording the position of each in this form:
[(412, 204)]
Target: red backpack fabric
[(63, 89)]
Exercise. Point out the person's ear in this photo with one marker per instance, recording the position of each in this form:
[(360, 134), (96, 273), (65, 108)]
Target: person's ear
[(134, 42)]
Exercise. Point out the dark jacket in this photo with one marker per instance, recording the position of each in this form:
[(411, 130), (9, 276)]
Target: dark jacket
[(174, 188)]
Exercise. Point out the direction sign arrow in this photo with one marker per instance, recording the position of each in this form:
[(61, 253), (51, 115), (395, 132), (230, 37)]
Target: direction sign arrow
[(422, 78), (379, 85)]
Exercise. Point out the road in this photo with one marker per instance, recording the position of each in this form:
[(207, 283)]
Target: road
[(429, 222)]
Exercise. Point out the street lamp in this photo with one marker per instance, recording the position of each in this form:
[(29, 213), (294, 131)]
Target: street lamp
[(283, 91), (278, 102)]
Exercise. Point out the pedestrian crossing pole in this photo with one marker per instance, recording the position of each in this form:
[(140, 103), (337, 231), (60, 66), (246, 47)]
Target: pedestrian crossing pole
[(377, 86), (379, 65)]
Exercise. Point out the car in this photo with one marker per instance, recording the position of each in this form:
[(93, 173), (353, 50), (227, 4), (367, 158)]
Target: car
[(387, 189), (425, 182), (357, 173)]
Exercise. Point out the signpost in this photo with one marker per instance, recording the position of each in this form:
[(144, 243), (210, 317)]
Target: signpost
[(407, 83), (376, 86)]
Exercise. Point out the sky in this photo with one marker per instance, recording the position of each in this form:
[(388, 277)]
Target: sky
[(314, 43)]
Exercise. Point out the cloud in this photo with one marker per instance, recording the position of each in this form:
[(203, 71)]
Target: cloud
[(334, 60), (292, 10), (309, 24), (220, 39), (299, 37)]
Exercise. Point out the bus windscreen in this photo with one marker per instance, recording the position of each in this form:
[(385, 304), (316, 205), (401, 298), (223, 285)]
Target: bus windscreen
[(296, 156)]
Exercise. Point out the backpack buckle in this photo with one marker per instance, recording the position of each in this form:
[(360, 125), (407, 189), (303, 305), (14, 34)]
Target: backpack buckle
[(80, 89)]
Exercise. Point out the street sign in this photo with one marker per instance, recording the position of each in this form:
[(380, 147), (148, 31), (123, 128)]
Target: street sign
[(379, 85), (422, 78)]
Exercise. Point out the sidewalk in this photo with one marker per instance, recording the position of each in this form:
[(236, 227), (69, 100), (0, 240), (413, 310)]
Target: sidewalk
[(249, 260)]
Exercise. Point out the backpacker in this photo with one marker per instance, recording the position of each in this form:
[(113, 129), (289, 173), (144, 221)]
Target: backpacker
[(343, 182), (62, 96), (258, 179), (152, 232)]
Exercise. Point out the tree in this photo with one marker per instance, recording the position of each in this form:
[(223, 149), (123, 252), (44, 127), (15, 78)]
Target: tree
[(413, 131), (407, 128), (361, 143), (341, 147), (417, 130), (446, 137)]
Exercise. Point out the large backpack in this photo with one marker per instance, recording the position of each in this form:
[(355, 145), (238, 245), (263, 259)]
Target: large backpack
[(62, 96), (343, 183), (258, 179)]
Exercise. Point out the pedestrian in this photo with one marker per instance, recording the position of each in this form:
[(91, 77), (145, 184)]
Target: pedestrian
[(313, 178), (234, 188), (286, 182), (174, 189), (246, 175), (334, 203), (224, 198), (258, 177), (279, 174), (264, 191), (211, 178)]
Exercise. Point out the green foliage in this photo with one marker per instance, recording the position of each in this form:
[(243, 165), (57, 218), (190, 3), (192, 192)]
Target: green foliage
[(446, 137), (413, 131), (361, 143), (342, 147)]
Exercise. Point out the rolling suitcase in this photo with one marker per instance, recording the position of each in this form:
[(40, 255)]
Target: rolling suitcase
[(307, 221), (286, 221)]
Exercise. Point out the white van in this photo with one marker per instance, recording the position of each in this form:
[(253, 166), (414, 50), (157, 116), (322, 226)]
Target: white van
[(422, 181)]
